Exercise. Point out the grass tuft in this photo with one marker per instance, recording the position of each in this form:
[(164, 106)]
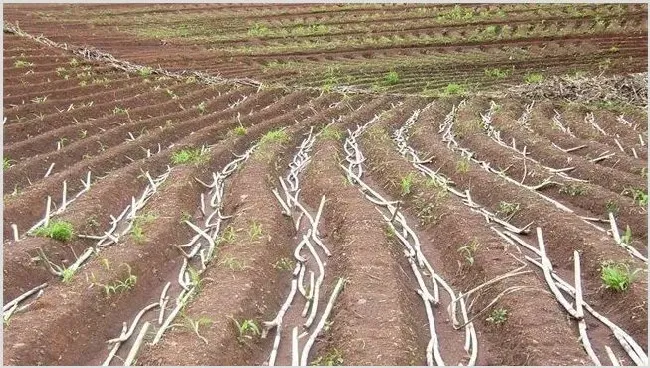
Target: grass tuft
[(190, 155), (57, 230), (617, 276)]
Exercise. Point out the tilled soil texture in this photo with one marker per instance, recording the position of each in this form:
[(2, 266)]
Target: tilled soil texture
[(208, 194), (404, 48)]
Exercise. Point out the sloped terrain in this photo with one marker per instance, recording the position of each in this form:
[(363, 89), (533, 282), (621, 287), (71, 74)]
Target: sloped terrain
[(235, 196)]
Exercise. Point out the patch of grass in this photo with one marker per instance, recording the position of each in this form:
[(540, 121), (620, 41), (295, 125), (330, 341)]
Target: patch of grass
[(573, 189), (457, 13), (496, 73), (284, 264), (491, 30), (259, 30), (274, 136), (74, 62), (67, 274), (255, 231), (190, 155), (617, 276), (137, 232), (240, 130), (331, 132), (533, 78), (145, 72), (391, 78), (22, 64), (406, 183), (57, 230), (233, 263), (246, 329), (469, 251), (462, 166), (453, 89), (498, 316), (332, 358)]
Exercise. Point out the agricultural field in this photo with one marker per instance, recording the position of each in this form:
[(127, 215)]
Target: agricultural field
[(293, 184)]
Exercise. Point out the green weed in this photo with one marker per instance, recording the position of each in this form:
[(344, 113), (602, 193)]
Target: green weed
[(284, 264), (453, 89), (274, 136), (190, 155), (255, 231), (533, 78), (406, 183), (498, 316), (246, 329), (391, 78), (332, 358), (462, 166), (57, 230), (22, 64), (617, 276), (508, 209), (497, 73), (469, 251), (573, 189)]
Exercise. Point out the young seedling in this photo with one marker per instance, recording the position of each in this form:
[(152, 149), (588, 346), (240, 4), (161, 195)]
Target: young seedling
[(617, 276), (255, 231), (118, 286), (332, 358), (171, 94), (407, 183), (639, 195), (627, 237), (233, 263), (57, 230), (462, 166), (74, 62), (22, 64), (573, 189), (6, 163), (137, 232), (202, 107), (194, 325), (39, 100), (229, 234), (498, 316), (191, 155), (246, 329), (120, 111), (508, 209), (185, 216), (469, 250), (611, 206), (284, 264)]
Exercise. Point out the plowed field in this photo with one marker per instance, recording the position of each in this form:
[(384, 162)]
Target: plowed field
[(196, 184)]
